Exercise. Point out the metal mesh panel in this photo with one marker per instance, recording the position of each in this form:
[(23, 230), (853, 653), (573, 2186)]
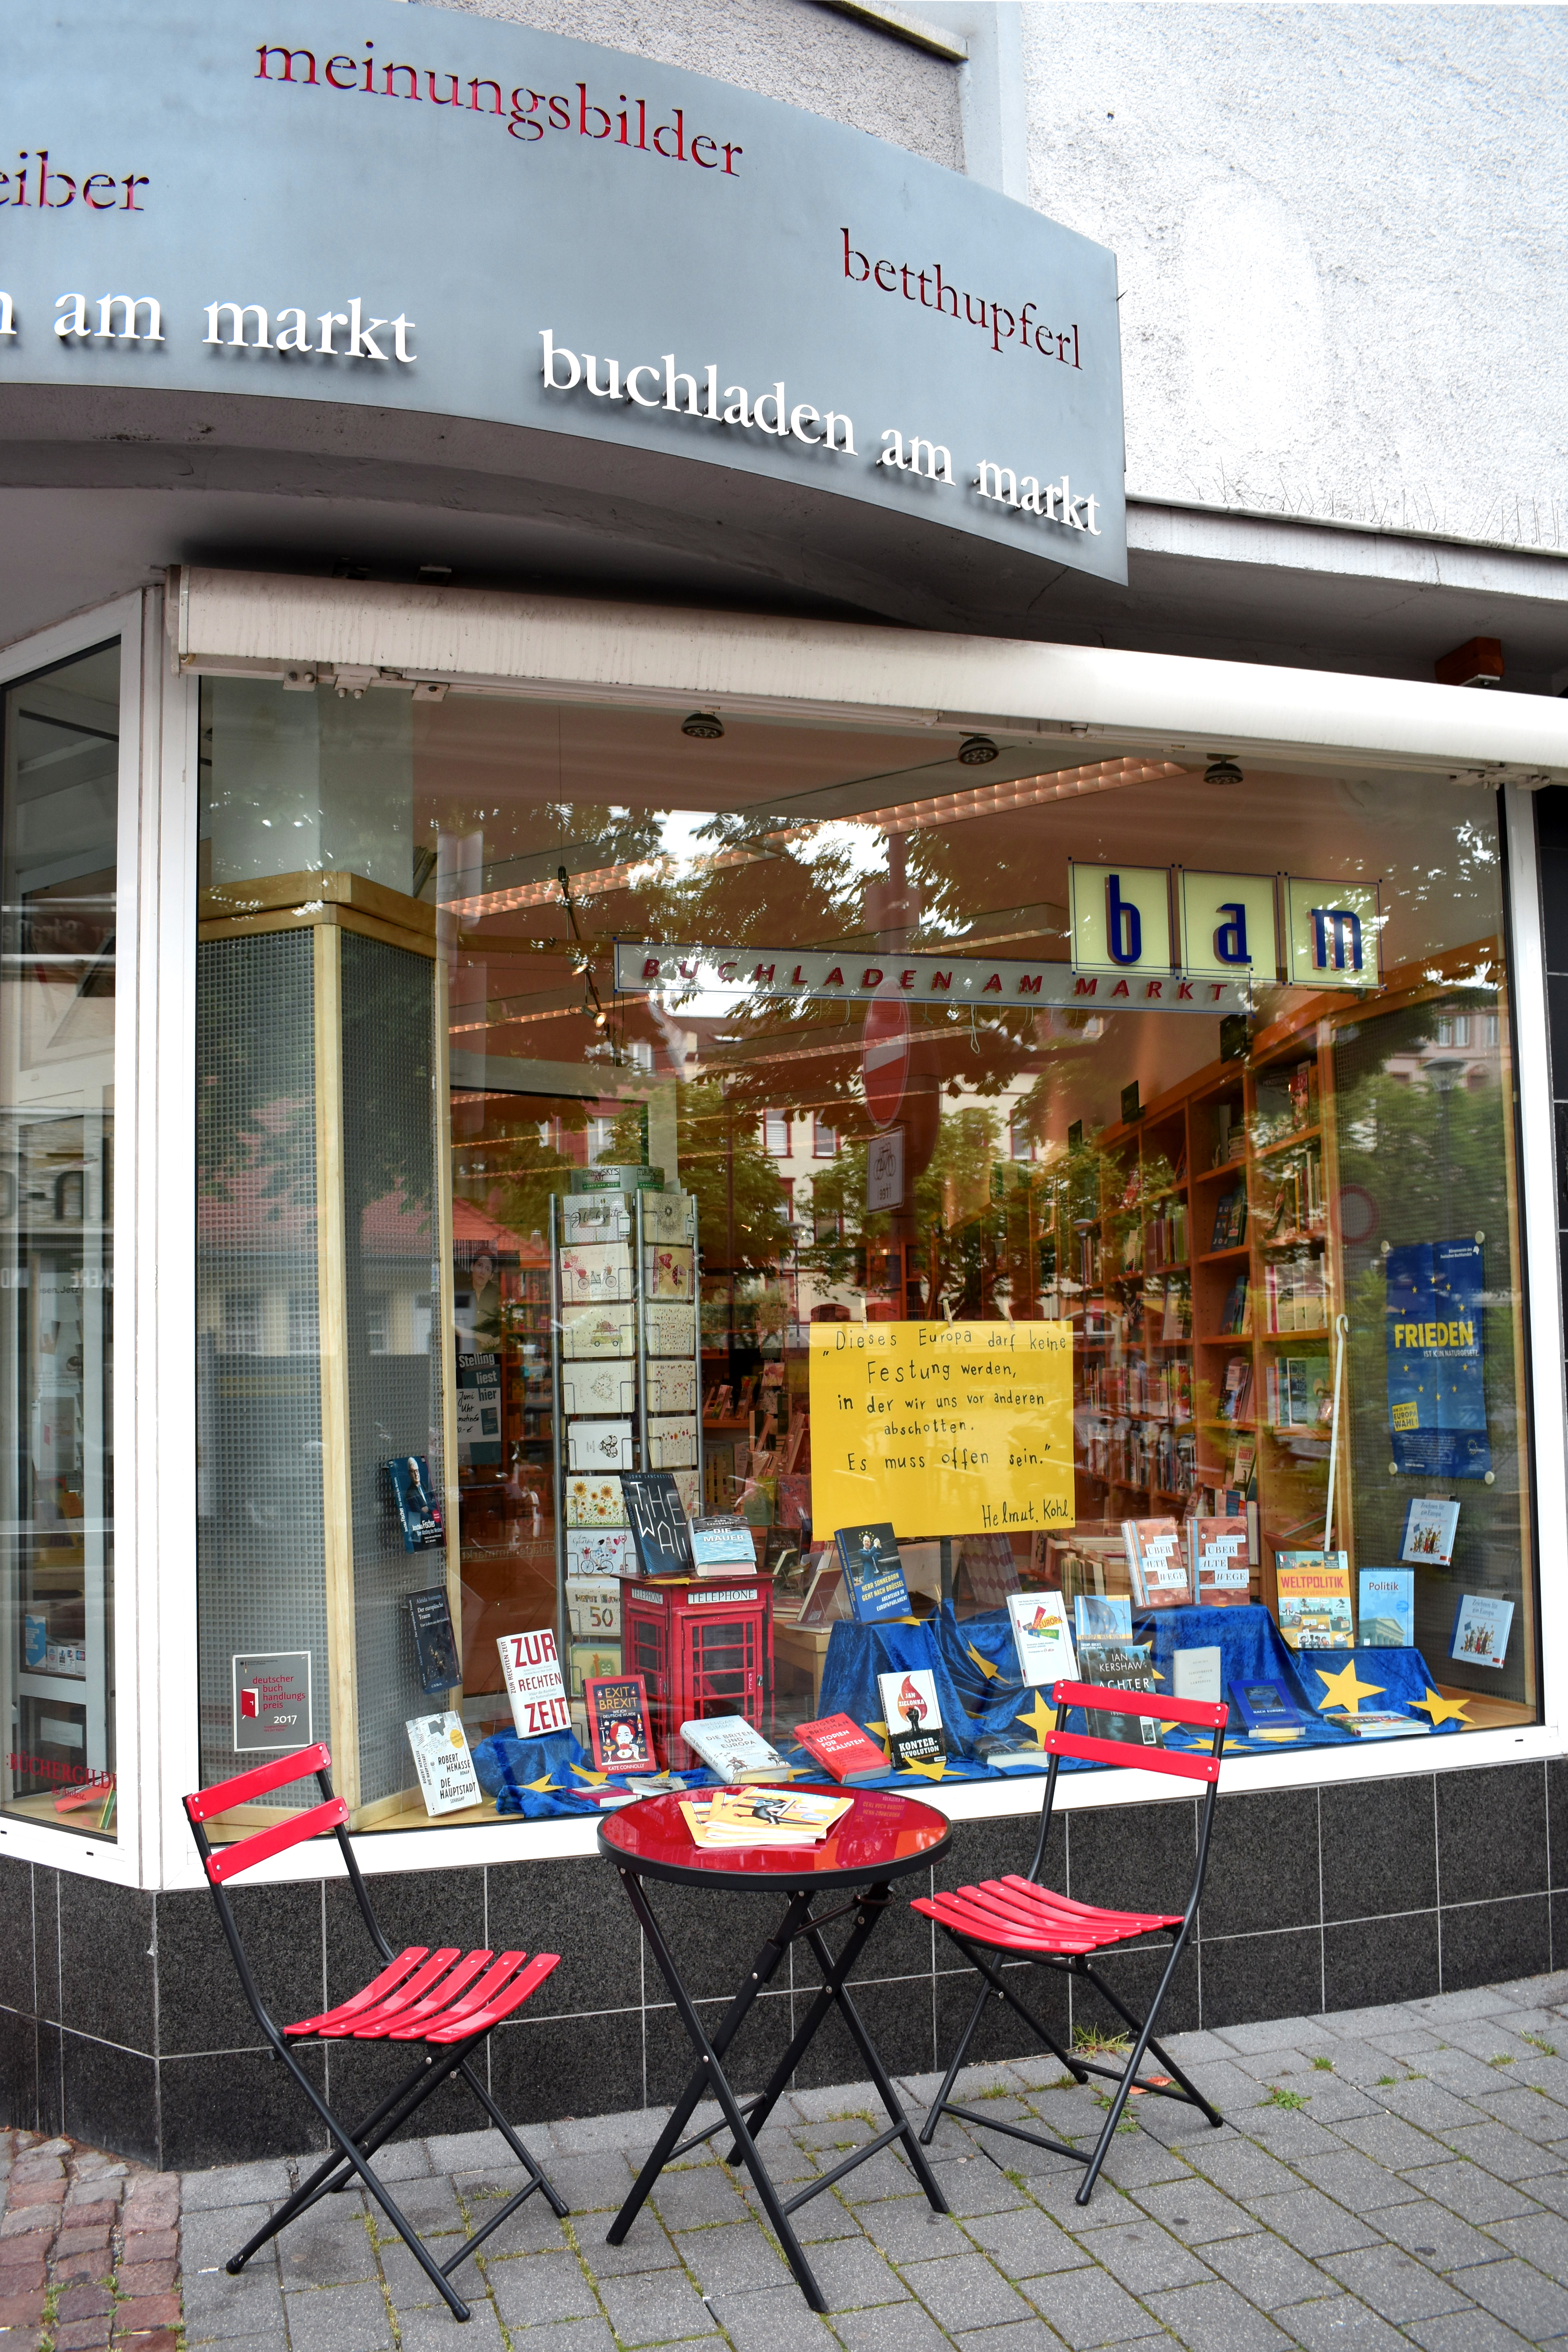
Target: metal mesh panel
[(394, 1330), (260, 1568), (1428, 1168)]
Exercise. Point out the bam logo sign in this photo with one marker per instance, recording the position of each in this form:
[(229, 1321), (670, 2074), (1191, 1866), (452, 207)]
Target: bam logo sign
[(1247, 930)]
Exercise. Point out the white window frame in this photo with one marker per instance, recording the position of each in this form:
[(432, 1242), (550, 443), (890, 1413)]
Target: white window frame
[(558, 649)]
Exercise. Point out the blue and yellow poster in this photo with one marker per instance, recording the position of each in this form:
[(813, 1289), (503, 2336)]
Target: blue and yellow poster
[(1437, 1360)]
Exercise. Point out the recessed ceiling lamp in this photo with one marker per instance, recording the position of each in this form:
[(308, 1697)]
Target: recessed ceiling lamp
[(1222, 770), (976, 751), (705, 726)]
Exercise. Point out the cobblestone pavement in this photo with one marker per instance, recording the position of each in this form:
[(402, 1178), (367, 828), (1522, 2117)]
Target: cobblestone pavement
[(89, 2249), (1385, 2178)]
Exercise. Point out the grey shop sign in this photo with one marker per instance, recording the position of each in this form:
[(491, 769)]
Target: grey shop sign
[(416, 210)]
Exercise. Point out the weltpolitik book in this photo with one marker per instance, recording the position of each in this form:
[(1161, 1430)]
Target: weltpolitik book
[(1387, 1608), (1041, 1637), (1313, 1590), (1430, 1524), (913, 1714), (1118, 1665), (1103, 1616), (874, 1572), (1481, 1625)]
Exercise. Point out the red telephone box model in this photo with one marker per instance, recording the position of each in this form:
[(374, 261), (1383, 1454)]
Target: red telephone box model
[(702, 1649)]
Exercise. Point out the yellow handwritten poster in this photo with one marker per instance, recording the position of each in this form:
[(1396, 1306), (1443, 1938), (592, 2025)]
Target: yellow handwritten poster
[(946, 1429)]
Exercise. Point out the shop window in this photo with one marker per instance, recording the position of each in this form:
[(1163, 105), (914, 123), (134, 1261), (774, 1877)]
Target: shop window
[(59, 741), (1264, 1240)]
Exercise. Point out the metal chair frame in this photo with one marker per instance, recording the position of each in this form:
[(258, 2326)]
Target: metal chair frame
[(420, 1995), (993, 1919)]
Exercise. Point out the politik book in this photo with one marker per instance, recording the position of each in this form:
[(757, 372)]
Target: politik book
[(1429, 1527), (659, 1529), (1387, 1608), (447, 1781), (1041, 1637), (873, 1571), (730, 1748), (1313, 1589), (620, 1738), (838, 1745), (912, 1716), (1480, 1629), (1156, 1563), (531, 1667), (1218, 1562), (1118, 1665)]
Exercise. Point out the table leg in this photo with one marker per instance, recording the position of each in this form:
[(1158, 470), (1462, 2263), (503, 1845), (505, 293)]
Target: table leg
[(709, 2078)]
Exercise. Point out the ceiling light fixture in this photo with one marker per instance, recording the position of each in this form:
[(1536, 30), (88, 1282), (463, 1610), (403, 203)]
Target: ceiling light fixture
[(705, 726), (976, 751), (1222, 770)]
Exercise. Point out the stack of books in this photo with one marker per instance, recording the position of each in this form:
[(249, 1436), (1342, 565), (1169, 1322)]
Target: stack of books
[(762, 1817)]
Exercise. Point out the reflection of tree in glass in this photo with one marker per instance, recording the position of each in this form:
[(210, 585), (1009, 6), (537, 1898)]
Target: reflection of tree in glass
[(953, 1216), (742, 1222)]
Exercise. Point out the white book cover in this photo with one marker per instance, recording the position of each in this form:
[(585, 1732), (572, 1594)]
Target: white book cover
[(729, 1746), (599, 1445), (531, 1665), (604, 1387), (1429, 1528), (588, 1331), (1481, 1629), (671, 1385), (447, 1781), (1195, 1674), (599, 1552), (1042, 1638)]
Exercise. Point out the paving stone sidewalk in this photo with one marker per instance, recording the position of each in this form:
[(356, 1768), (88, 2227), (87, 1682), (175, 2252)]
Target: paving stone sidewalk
[(1385, 2177), (89, 2249)]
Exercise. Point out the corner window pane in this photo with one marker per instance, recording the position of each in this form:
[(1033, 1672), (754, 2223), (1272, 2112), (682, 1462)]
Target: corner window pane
[(58, 821)]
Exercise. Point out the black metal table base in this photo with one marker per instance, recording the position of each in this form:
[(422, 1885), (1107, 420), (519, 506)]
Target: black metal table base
[(745, 2120)]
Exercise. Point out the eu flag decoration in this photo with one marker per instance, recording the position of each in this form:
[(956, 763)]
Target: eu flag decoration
[(1437, 1360)]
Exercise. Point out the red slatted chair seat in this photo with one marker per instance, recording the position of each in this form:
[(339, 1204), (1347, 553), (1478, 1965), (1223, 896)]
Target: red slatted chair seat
[(1014, 1916)]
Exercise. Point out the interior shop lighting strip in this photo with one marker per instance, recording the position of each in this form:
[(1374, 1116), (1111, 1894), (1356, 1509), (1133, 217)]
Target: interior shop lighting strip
[(902, 816)]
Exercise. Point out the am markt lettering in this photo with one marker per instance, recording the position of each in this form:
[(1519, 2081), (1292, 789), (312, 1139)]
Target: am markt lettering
[(250, 326), (527, 113)]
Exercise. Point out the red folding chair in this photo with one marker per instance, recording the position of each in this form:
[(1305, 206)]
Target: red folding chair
[(443, 2001), (1022, 1920)]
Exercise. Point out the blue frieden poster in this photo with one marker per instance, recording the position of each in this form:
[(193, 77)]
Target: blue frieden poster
[(1437, 1360)]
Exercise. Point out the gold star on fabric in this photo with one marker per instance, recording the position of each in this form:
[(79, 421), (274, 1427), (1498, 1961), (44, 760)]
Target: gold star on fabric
[(1440, 1709), (1039, 1718), (935, 1771), (984, 1664), (1346, 1689), (542, 1786), (878, 1731), (586, 1772)]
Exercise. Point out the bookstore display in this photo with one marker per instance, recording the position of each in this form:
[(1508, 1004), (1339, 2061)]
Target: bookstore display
[(1181, 1241)]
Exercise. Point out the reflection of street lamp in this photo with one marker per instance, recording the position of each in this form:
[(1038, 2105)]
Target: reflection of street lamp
[(1444, 1073)]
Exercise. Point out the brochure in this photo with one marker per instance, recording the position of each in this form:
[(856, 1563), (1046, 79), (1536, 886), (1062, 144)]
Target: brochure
[(435, 1645), (1041, 1637), (1481, 1629), (763, 1817), (447, 1781), (913, 1718), (1429, 1526), (874, 1571), (416, 1506), (1387, 1608), (532, 1670), (620, 1738)]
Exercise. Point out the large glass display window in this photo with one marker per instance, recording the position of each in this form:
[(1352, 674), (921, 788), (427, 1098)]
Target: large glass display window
[(590, 1097)]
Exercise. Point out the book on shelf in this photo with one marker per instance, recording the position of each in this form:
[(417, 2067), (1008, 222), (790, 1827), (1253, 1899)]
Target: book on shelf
[(1236, 1315), (1481, 1624), (1387, 1608), (1243, 1463), (733, 1748), (1218, 1562), (1314, 1607), (874, 1572), (1155, 1563), (1118, 1665), (838, 1744), (913, 1714), (1236, 1388), (1430, 1524), (1298, 1392), (1041, 1637), (1177, 1319), (1268, 1711), (1229, 1219)]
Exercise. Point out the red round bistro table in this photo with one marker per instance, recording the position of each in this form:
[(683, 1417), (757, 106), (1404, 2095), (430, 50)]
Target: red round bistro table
[(882, 1838)]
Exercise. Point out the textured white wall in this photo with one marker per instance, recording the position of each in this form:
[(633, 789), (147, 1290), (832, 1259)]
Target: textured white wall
[(1341, 233)]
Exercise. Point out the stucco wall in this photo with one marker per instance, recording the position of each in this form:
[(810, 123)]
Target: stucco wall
[(1339, 232)]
